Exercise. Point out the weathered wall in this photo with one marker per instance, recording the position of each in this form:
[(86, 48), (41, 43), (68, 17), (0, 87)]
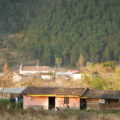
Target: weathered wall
[(114, 105), (73, 102), (43, 102), (35, 102), (92, 104)]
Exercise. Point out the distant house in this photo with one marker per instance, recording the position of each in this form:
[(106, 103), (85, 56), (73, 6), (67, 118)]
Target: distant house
[(75, 75), (78, 75), (63, 75), (42, 71), (35, 69), (7, 92), (71, 98)]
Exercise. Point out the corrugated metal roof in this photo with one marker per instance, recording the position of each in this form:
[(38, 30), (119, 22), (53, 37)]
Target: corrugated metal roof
[(12, 90)]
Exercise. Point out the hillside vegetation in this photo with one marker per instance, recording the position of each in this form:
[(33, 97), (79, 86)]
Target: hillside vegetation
[(46, 30)]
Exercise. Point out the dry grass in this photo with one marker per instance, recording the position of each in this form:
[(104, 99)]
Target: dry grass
[(15, 114)]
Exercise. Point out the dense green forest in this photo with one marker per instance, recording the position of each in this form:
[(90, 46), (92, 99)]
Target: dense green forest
[(50, 29)]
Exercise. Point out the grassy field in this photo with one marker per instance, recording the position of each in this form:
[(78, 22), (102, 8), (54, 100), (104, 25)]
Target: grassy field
[(15, 114)]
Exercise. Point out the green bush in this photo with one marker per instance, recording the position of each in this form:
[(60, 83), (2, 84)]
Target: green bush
[(4, 101), (20, 103)]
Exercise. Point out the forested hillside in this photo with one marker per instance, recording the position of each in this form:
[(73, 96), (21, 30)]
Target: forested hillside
[(50, 29)]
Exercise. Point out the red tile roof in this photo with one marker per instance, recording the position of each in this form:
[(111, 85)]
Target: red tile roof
[(36, 68)]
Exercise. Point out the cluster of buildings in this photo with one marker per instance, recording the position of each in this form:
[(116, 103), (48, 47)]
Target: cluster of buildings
[(45, 73), (58, 98)]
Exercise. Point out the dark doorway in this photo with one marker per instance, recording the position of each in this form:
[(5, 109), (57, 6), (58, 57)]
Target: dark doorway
[(82, 104), (51, 103)]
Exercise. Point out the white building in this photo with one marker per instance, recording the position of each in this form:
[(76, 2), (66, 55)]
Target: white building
[(77, 76), (26, 70), (73, 75)]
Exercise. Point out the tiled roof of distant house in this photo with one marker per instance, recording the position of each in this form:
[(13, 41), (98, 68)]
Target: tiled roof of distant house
[(36, 68)]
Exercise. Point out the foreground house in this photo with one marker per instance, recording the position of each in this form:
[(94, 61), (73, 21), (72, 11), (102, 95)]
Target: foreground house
[(103, 99), (73, 98), (49, 98)]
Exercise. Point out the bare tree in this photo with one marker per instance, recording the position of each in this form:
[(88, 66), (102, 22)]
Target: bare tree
[(58, 62), (80, 62), (6, 69)]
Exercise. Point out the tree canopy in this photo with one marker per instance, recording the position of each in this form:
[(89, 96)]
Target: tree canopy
[(61, 29)]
